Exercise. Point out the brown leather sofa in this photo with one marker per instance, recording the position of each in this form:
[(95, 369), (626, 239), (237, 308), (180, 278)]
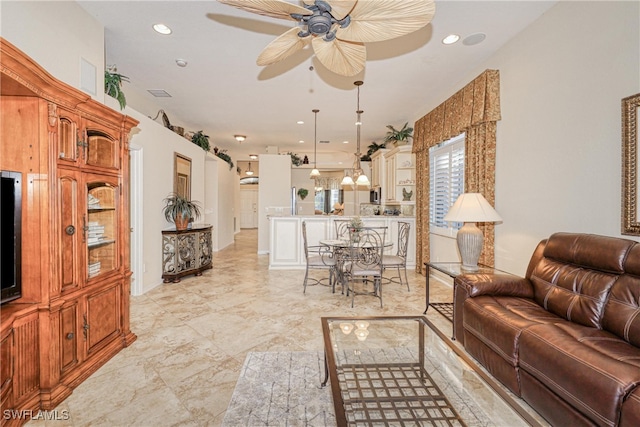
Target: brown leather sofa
[(566, 337)]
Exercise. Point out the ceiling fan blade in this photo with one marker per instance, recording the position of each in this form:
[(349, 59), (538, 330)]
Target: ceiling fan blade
[(272, 8), (377, 20), (341, 8), (282, 47), (342, 57)]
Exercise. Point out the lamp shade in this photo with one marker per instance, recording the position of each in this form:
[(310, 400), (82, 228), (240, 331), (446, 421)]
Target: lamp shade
[(363, 180), (472, 207), (347, 180)]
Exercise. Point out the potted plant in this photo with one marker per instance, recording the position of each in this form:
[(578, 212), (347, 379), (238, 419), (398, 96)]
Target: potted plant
[(179, 210), (303, 193), (201, 140), (113, 85), (399, 136), (355, 227)]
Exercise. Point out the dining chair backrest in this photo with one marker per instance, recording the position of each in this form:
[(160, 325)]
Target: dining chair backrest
[(342, 228), (304, 238), (403, 238), (366, 247)]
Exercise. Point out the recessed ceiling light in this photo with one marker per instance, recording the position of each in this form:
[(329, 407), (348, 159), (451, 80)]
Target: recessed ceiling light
[(476, 38), (181, 63), (162, 29), (451, 39), (300, 122), (345, 142), (301, 141)]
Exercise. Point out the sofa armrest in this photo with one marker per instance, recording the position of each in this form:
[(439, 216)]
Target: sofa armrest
[(473, 285), (495, 284)]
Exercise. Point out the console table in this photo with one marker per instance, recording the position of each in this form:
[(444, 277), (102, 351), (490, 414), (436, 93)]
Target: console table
[(186, 252)]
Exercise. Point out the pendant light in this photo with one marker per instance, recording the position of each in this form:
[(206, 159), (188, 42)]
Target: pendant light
[(358, 177), (249, 171), (315, 172)]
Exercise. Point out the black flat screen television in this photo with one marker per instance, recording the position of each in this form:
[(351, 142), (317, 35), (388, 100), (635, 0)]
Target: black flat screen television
[(10, 235)]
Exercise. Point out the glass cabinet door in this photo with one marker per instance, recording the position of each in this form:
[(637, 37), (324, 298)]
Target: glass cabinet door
[(101, 228)]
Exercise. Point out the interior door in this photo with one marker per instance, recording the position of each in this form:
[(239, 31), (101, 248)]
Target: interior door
[(249, 208)]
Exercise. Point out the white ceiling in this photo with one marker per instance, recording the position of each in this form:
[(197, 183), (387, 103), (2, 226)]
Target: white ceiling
[(224, 92)]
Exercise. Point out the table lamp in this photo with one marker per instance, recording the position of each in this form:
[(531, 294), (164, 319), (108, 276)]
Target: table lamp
[(471, 208)]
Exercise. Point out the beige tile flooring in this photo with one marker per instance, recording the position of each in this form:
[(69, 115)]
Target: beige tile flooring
[(193, 337)]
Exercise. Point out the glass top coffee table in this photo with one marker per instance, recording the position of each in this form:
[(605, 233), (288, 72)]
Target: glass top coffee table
[(403, 371)]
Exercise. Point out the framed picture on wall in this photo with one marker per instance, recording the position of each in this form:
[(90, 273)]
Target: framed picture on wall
[(182, 176)]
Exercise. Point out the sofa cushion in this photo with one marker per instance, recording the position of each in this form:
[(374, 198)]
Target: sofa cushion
[(589, 251), (574, 293), (582, 365), (498, 321)]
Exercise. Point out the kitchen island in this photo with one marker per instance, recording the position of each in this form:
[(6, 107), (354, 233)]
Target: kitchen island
[(286, 247)]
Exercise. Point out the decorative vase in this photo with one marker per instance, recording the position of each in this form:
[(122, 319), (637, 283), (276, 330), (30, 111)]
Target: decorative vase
[(181, 222)]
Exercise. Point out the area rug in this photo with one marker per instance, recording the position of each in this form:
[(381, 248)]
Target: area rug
[(281, 389)]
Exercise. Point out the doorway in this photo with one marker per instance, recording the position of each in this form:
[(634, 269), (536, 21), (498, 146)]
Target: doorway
[(248, 208)]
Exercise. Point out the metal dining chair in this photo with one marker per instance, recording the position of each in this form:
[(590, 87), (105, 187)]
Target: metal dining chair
[(399, 260), (317, 258), (362, 268), (342, 228)]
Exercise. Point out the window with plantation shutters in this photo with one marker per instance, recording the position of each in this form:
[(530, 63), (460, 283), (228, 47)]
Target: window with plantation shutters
[(446, 164)]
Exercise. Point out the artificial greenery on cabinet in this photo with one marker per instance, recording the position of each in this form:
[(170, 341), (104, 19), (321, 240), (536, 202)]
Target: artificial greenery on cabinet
[(201, 140), (222, 154), (113, 85)]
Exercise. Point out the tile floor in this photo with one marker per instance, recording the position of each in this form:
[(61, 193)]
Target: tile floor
[(193, 337)]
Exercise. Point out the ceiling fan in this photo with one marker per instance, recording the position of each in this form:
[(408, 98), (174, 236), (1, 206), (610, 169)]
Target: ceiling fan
[(338, 29)]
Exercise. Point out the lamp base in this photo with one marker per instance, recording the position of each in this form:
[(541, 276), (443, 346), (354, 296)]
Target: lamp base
[(470, 241)]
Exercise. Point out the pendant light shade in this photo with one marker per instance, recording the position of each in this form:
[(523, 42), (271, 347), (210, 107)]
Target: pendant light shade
[(315, 172), (249, 171), (347, 180)]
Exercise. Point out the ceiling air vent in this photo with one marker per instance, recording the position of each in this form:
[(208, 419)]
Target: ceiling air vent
[(159, 93), (323, 142)]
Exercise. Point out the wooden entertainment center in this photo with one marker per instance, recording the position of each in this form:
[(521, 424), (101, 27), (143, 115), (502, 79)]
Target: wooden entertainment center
[(73, 313)]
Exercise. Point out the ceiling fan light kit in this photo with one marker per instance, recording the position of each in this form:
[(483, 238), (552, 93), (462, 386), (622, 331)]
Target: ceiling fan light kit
[(337, 30)]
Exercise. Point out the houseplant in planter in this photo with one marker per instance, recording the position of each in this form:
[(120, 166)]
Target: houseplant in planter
[(399, 136), (179, 210)]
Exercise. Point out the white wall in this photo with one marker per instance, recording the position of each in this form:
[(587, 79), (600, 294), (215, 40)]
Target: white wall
[(558, 165), (300, 179), (56, 35), (158, 145), (220, 200), (274, 192)]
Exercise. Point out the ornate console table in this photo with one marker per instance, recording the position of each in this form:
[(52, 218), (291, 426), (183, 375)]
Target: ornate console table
[(186, 252)]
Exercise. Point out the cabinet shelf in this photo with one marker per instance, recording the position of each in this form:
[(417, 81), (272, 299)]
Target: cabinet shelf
[(101, 209), (100, 243)]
